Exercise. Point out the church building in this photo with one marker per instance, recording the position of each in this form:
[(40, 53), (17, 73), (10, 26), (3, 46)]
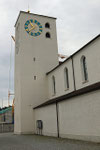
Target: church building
[(52, 98)]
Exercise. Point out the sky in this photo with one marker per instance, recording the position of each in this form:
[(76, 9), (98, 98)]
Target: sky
[(78, 21)]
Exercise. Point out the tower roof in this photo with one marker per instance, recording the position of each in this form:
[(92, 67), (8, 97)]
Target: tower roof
[(32, 14)]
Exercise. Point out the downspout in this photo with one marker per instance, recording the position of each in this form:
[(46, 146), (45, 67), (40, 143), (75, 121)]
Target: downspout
[(57, 119), (73, 74)]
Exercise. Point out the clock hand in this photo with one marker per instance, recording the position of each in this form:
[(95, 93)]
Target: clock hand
[(31, 24), (32, 28)]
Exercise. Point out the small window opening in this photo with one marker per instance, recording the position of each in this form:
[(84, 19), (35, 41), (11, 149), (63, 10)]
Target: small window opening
[(47, 25), (34, 77), (34, 59), (48, 35)]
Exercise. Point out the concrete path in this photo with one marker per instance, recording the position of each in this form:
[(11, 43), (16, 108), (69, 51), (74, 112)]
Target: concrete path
[(8, 141)]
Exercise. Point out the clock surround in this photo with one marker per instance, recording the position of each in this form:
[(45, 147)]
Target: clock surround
[(33, 27)]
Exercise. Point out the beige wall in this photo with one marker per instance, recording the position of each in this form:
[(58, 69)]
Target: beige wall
[(92, 54), (48, 116), (79, 117), (17, 84), (30, 92), (59, 80)]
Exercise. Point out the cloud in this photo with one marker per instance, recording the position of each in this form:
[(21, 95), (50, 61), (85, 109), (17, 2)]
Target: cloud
[(78, 22)]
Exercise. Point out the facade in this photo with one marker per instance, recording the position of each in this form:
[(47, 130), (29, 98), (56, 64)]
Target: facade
[(6, 115), (51, 99), (34, 57)]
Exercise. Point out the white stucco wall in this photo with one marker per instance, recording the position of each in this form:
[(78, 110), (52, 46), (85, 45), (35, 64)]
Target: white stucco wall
[(48, 116), (92, 54), (30, 92), (79, 117), (59, 80), (17, 85)]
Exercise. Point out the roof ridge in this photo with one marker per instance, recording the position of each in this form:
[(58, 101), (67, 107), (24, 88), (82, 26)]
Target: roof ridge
[(74, 53)]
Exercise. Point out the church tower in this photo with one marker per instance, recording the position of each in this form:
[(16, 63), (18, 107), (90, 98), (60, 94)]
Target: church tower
[(36, 53)]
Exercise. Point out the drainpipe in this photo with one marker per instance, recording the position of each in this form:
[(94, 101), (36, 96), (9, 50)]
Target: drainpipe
[(73, 74), (57, 119)]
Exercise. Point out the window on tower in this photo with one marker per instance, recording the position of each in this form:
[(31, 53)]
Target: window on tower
[(47, 35), (47, 25)]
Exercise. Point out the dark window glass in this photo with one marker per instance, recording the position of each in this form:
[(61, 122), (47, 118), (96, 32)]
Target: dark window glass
[(84, 68), (66, 78), (47, 25), (48, 35), (53, 85)]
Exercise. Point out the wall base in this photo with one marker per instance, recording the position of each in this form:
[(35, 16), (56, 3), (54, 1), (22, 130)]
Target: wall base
[(23, 133), (89, 138), (48, 134)]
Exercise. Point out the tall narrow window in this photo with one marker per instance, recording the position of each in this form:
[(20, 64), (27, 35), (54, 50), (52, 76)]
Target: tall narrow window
[(84, 68), (53, 85), (66, 79)]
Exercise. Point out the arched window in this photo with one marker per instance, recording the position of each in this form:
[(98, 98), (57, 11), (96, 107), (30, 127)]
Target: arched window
[(53, 85), (84, 68), (47, 35), (47, 25), (66, 79)]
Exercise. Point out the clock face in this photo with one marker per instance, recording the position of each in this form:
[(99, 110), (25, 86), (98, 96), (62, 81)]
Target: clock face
[(33, 27)]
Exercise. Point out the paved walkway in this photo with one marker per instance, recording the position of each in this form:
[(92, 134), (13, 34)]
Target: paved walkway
[(8, 141)]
